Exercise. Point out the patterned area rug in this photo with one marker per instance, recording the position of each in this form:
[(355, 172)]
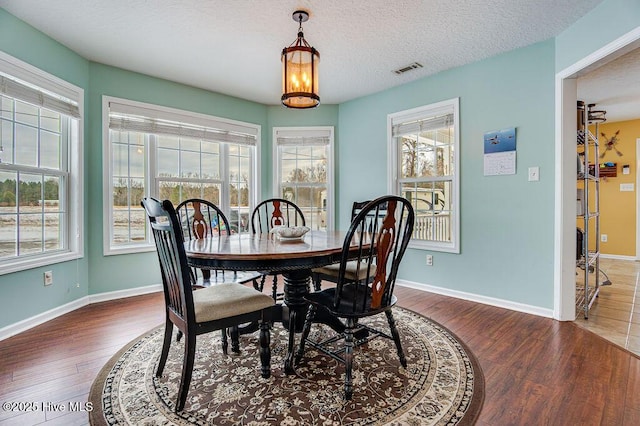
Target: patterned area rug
[(442, 384)]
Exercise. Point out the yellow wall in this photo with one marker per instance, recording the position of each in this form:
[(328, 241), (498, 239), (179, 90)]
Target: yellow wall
[(618, 208)]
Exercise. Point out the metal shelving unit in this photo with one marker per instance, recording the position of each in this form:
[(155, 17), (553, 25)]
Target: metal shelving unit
[(589, 176)]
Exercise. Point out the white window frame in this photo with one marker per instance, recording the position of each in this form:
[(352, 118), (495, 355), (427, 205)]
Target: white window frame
[(72, 195), (151, 182), (302, 133), (393, 167)]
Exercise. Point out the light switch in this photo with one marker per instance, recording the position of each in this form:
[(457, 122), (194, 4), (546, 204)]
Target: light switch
[(534, 174), (626, 187)]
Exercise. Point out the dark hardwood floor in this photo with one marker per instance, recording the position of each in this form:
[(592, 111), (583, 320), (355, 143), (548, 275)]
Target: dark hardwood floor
[(537, 371)]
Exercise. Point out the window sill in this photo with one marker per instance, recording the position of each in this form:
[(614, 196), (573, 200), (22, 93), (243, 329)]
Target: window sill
[(114, 251), (434, 246), (27, 263)]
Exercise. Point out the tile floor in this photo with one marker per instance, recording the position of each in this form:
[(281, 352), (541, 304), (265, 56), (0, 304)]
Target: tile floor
[(615, 314)]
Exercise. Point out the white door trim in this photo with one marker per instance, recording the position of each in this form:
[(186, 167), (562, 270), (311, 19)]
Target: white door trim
[(637, 255), (564, 280)]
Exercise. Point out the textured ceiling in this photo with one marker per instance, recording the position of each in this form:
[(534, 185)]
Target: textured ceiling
[(233, 47), (614, 87)]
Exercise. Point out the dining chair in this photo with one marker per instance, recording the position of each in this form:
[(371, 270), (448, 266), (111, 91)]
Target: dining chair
[(330, 272), (197, 312), (269, 214), (201, 218), (382, 246)]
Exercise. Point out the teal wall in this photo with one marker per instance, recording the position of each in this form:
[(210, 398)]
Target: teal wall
[(608, 21), (22, 294), (506, 222)]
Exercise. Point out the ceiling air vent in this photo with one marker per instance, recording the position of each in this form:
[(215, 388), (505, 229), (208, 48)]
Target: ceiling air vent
[(410, 67)]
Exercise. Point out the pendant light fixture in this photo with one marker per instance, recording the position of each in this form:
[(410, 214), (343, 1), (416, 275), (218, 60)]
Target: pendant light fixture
[(300, 70)]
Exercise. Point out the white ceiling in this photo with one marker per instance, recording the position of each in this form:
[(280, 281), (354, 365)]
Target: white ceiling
[(614, 87), (233, 47)]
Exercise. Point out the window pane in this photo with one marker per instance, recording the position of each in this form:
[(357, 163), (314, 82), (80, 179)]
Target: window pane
[(52, 231), (8, 191), (6, 107), (137, 192), (120, 160), (8, 233), (210, 166), (138, 224), (168, 162), (51, 194), (8, 214), (30, 189), (30, 230), (189, 164), (211, 147), (27, 113), (127, 194), (50, 150), (26, 144), (431, 202), (288, 152), (190, 144), (211, 193), (50, 120), (136, 161), (165, 141), (6, 141), (120, 225), (289, 170)]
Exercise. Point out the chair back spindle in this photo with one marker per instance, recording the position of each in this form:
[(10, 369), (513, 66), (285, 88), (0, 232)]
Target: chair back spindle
[(275, 212), (201, 218)]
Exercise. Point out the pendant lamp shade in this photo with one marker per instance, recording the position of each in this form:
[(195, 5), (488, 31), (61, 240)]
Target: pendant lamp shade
[(300, 70)]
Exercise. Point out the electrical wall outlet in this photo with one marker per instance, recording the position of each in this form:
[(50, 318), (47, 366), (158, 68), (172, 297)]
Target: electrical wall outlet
[(603, 238), (429, 260), (48, 277)]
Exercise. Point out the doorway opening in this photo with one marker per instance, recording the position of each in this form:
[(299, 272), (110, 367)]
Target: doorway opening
[(566, 170)]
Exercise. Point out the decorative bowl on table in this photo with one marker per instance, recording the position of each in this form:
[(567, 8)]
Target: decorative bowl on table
[(290, 233)]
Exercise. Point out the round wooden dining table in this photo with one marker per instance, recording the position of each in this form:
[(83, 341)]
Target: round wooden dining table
[(294, 259)]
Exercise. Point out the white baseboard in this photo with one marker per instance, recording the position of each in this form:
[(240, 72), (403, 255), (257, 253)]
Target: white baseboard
[(500, 303), (121, 294), (26, 324), (617, 257)]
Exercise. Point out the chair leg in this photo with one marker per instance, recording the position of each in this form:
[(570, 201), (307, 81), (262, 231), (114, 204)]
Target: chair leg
[(225, 342), (348, 358), (317, 282), (262, 280), (235, 339), (274, 289), (168, 331), (187, 370), (311, 313), (396, 337), (265, 349)]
